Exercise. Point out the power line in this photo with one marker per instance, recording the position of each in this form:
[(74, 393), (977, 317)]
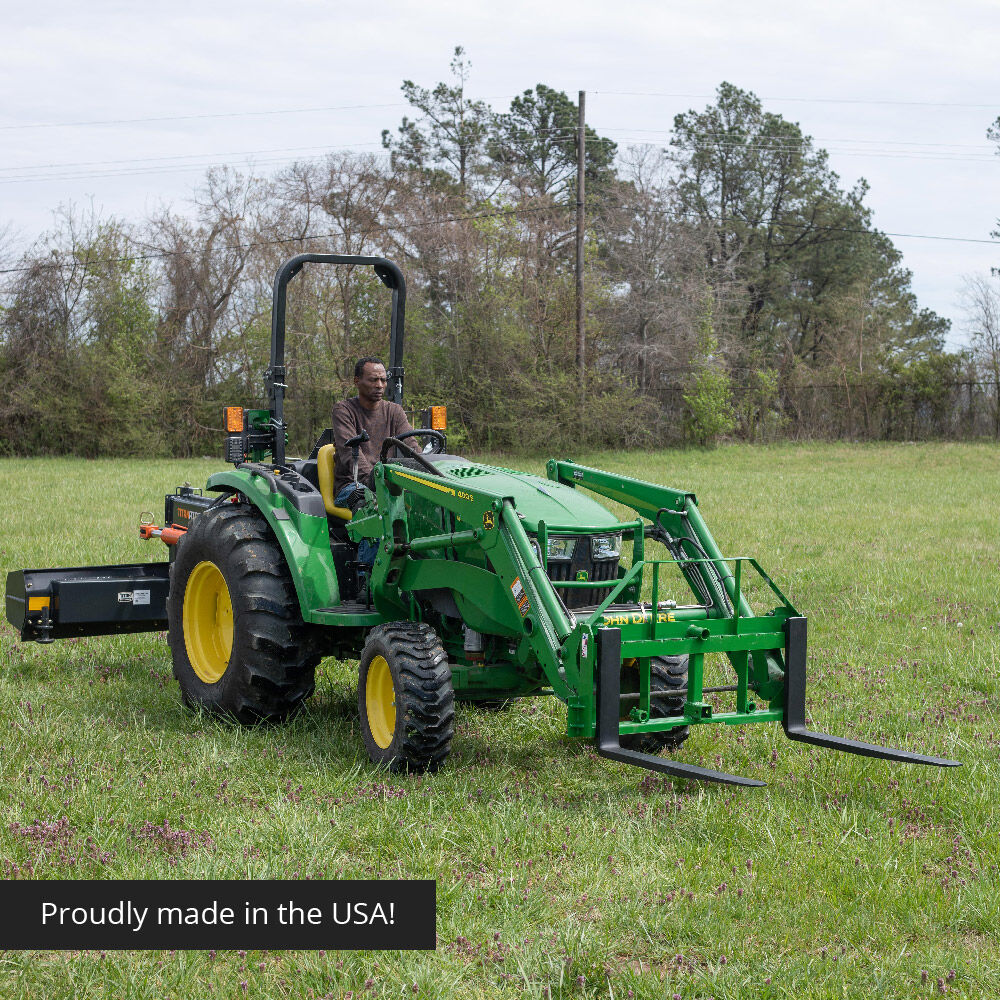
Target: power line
[(805, 139), (140, 171), (556, 135), (848, 230), (994, 106), (502, 213), (561, 134), (568, 136), (218, 114), (200, 117), (183, 168), (870, 153), (175, 156), (396, 104), (787, 144)]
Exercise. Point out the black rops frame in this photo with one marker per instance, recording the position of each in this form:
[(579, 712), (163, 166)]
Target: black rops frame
[(274, 378)]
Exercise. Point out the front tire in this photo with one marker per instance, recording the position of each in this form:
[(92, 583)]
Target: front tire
[(238, 642), (667, 674), (406, 701)]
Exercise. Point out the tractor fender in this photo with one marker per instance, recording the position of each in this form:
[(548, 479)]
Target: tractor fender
[(304, 537)]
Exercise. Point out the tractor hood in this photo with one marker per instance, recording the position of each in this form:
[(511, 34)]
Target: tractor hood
[(535, 498)]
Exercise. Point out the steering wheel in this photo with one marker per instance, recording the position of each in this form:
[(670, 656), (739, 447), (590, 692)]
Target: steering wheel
[(437, 444)]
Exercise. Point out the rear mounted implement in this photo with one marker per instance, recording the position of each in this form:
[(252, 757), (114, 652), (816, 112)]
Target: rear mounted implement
[(47, 604)]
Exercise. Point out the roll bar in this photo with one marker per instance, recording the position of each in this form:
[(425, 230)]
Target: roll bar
[(274, 378)]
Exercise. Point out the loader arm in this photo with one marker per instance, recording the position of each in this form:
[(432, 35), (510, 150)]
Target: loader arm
[(676, 513), (516, 596)]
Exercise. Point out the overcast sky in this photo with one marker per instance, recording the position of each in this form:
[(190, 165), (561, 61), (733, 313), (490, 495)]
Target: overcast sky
[(899, 93)]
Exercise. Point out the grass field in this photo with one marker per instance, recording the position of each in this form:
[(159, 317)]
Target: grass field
[(559, 873)]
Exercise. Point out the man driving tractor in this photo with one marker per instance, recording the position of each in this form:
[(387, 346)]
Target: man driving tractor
[(368, 412), (379, 418)]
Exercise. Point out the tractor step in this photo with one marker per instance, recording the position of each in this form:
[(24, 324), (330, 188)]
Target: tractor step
[(349, 613)]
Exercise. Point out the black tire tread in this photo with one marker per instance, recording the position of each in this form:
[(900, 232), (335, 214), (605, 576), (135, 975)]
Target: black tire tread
[(271, 672), (424, 694), (667, 673)]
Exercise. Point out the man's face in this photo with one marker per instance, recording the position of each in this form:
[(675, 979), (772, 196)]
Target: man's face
[(371, 384)]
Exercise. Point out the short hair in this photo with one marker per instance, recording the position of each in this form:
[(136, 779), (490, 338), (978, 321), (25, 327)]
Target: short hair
[(359, 365)]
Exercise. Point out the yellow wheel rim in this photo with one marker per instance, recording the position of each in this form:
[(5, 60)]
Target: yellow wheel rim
[(208, 622), (380, 701)]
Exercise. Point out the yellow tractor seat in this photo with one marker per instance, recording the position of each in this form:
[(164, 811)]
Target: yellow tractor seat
[(324, 471)]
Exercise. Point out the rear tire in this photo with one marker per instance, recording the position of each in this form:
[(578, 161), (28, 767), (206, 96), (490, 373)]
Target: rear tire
[(667, 673), (406, 701), (239, 644)]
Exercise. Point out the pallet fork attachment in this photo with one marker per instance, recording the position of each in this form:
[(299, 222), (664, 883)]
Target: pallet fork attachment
[(609, 659), (794, 720), (609, 665)]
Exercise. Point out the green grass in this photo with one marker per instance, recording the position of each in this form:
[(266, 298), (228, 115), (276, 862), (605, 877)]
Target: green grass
[(559, 873)]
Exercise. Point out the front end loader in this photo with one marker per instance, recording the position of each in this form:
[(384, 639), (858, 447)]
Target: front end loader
[(488, 584)]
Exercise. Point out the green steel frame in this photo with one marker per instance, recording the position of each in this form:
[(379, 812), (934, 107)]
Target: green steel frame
[(502, 589)]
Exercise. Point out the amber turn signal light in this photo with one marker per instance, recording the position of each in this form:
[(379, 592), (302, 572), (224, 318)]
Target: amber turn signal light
[(234, 419)]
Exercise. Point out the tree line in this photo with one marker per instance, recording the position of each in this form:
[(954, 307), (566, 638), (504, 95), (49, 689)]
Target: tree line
[(734, 288)]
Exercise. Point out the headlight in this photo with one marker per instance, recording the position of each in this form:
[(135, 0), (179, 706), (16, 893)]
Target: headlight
[(561, 547), (605, 546)]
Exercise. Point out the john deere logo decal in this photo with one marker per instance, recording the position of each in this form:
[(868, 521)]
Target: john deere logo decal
[(489, 520)]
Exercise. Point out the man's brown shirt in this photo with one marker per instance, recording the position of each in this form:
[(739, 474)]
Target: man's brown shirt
[(350, 418)]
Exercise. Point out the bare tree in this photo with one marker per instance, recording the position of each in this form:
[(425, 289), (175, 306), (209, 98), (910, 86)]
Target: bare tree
[(659, 273), (339, 204), (204, 258), (981, 296)]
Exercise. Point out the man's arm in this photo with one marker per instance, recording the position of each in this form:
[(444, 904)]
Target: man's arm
[(345, 426), (398, 423)]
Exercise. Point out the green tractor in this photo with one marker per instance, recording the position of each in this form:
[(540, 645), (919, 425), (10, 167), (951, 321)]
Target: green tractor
[(488, 584)]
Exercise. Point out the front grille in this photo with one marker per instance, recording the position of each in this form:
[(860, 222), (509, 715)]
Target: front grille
[(566, 569)]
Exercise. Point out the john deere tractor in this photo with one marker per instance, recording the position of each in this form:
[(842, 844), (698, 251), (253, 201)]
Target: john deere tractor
[(488, 584)]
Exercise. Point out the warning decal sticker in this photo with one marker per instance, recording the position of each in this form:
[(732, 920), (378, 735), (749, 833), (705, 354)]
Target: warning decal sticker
[(520, 596)]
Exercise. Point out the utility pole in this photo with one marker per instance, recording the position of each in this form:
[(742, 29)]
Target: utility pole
[(581, 336)]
